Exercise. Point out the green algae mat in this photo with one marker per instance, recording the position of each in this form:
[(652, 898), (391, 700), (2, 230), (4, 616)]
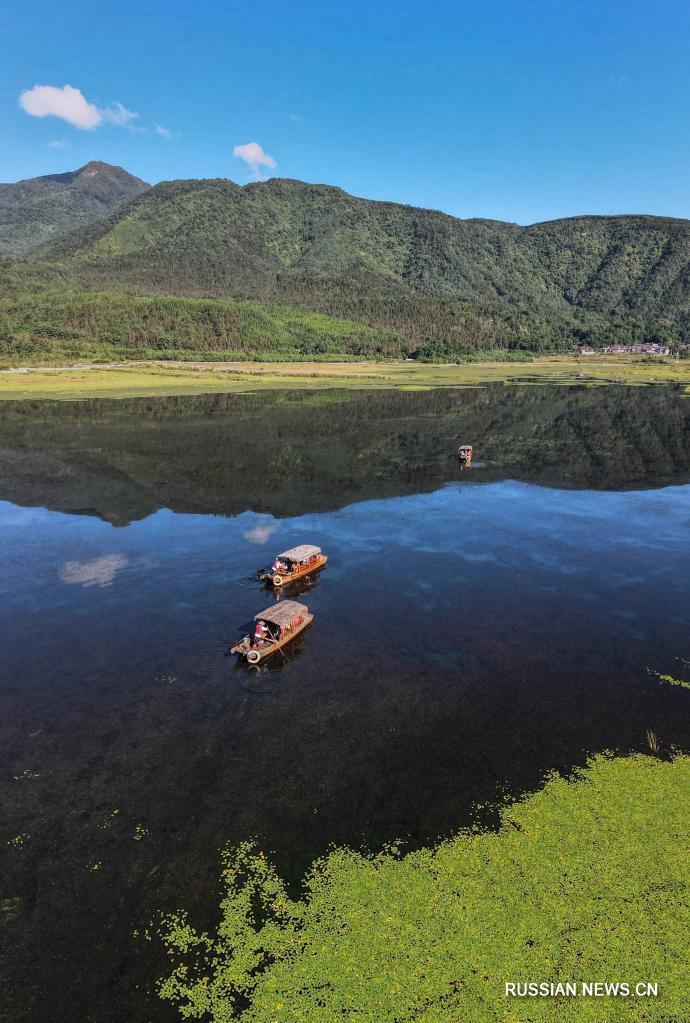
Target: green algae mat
[(585, 884)]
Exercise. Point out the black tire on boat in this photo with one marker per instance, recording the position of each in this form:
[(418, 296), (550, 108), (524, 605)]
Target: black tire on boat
[(253, 656), (277, 580)]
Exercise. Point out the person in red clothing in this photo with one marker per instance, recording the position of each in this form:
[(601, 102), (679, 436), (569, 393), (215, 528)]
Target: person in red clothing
[(261, 633)]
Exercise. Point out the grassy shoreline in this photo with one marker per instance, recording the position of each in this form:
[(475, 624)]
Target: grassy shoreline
[(148, 379)]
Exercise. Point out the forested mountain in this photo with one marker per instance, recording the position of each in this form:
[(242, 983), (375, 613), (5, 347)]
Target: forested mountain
[(37, 210), (397, 279)]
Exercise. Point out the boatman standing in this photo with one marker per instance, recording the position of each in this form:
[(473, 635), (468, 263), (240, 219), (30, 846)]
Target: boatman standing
[(260, 633)]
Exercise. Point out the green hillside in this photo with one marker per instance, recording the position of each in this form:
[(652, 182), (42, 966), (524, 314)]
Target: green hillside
[(39, 210), (403, 280)]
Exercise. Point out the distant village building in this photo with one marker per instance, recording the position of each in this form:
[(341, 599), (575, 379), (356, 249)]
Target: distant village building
[(648, 348)]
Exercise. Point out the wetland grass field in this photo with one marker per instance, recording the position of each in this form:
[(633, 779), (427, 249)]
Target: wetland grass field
[(149, 379)]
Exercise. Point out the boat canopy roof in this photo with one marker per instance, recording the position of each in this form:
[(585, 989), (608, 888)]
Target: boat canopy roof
[(282, 613), (300, 553)]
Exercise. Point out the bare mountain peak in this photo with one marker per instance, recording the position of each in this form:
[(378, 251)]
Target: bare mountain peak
[(98, 167)]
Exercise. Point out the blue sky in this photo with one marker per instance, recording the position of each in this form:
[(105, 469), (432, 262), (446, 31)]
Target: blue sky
[(523, 110)]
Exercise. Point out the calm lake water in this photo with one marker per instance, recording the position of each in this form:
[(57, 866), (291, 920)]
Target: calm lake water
[(473, 632)]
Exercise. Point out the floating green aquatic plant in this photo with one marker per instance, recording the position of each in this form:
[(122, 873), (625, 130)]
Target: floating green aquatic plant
[(581, 884), (669, 680)]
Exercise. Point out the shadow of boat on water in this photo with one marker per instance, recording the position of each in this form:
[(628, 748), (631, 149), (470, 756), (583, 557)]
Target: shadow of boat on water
[(290, 590)]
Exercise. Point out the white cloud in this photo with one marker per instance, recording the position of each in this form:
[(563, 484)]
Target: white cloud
[(66, 103), (69, 104), (118, 114), (255, 158), (58, 144), (99, 572), (164, 133), (262, 532)]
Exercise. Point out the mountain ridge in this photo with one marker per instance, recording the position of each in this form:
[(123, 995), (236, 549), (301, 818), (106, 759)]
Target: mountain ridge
[(33, 210), (431, 284), (278, 179)]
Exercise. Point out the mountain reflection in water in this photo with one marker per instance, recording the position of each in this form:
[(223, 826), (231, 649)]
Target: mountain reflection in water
[(467, 639), (293, 452)]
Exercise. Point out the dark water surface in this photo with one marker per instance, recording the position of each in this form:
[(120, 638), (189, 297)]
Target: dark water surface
[(473, 631)]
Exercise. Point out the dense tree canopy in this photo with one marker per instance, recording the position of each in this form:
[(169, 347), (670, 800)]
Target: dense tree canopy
[(386, 279), (39, 210)]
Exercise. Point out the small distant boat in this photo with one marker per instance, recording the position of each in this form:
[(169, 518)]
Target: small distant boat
[(294, 564), (465, 456), (275, 627)]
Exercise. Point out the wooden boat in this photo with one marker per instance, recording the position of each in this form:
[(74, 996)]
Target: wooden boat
[(282, 623), (299, 561)]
